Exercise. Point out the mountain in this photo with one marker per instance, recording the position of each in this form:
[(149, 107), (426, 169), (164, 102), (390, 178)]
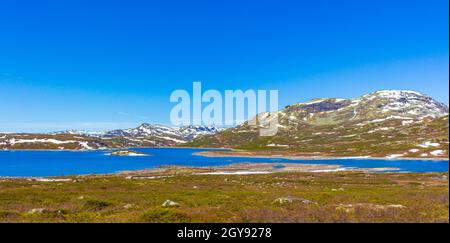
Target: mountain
[(148, 130), (50, 141), (81, 132), (144, 130), (192, 132), (389, 123), (145, 135)]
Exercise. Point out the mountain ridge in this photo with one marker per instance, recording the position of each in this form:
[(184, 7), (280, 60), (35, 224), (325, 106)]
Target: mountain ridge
[(384, 123)]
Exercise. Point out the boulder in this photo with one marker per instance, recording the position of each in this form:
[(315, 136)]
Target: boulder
[(289, 199), (37, 210), (128, 206), (169, 203)]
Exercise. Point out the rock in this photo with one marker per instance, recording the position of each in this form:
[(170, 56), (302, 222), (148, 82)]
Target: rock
[(61, 211), (289, 199), (346, 208), (169, 203), (283, 200), (442, 178), (128, 153), (128, 206), (306, 201), (339, 189), (37, 210), (395, 206), (351, 207)]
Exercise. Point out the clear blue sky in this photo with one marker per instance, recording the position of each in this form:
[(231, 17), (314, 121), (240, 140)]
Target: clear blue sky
[(113, 64)]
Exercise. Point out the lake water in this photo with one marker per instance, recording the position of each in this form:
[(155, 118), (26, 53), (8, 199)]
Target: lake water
[(60, 163)]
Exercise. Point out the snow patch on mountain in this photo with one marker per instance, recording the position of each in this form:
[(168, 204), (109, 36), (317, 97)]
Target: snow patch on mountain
[(428, 144), (55, 141)]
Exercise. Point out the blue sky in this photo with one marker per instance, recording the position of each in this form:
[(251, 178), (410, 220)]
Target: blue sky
[(112, 64)]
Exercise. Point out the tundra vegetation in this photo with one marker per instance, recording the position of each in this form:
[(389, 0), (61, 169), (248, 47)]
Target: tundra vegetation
[(183, 195)]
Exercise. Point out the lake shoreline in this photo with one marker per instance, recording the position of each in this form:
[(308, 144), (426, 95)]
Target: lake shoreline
[(238, 153), (108, 149), (227, 161), (245, 168), (251, 154)]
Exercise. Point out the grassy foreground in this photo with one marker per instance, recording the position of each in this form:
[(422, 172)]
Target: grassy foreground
[(277, 197)]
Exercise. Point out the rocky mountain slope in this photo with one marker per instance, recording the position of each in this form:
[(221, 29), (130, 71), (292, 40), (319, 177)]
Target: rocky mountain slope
[(384, 123)]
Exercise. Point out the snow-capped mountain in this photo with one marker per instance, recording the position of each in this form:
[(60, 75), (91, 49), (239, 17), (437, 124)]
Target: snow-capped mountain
[(81, 132), (193, 131), (144, 130), (148, 130), (402, 103), (385, 104), (145, 135), (159, 135), (379, 123)]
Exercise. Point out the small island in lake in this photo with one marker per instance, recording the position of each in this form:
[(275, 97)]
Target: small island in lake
[(128, 153)]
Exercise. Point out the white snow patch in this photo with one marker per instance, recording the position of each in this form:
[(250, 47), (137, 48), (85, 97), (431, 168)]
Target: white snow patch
[(380, 129), (428, 144), (85, 145), (136, 154), (277, 145), (14, 141), (50, 180), (437, 152), (293, 118), (404, 123), (355, 114), (385, 119), (393, 156), (396, 94), (349, 136), (313, 102), (329, 170)]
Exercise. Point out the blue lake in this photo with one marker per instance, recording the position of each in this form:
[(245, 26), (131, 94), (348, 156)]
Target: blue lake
[(60, 163)]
